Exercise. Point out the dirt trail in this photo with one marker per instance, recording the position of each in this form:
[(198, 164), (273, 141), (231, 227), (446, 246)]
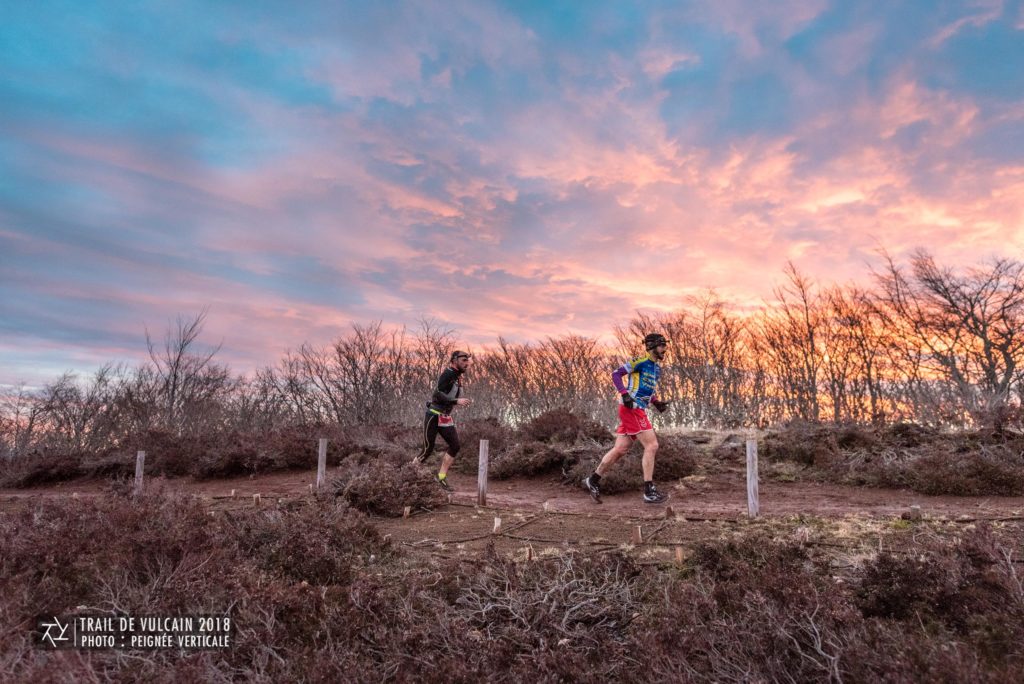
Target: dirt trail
[(719, 497), (541, 517)]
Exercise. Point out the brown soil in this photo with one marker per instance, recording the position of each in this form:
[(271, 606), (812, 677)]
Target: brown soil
[(540, 516)]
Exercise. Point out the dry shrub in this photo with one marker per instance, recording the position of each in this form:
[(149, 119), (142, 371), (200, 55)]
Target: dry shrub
[(381, 488), (39, 469), (907, 435), (980, 463), (528, 460), (754, 609), (165, 555), (969, 587), (325, 551), (317, 595), (560, 425), (987, 472), (499, 439), (802, 442), (217, 455), (676, 459), (732, 449)]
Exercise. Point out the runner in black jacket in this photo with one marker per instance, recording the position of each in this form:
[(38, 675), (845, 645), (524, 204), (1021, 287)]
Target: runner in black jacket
[(439, 415)]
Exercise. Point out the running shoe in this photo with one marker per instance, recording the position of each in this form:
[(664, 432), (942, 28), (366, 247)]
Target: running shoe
[(443, 481), (595, 490), (653, 496)]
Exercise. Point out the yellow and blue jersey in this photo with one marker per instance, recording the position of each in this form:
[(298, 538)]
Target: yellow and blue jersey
[(639, 377)]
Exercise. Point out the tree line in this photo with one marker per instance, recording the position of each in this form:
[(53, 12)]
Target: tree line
[(921, 342)]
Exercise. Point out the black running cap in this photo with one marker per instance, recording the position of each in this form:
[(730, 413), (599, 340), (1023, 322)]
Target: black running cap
[(460, 355), (653, 340)]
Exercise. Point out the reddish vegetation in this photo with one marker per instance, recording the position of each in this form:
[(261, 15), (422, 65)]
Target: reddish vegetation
[(319, 594), (904, 456)]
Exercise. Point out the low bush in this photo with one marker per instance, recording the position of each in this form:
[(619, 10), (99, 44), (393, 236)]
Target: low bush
[(563, 427), (804, 443), (317, 594), (527, 460), (904, 456), (39, 469), (382, 488), (676, 459)]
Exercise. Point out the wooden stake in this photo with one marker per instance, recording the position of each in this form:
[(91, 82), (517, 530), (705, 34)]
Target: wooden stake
[(497, 526), (256, 500), (638, 535), (669, 513), (232, 493), (679, 555), (753, 505), (407, 511), (140, 467), (321, 464), (481, 476)]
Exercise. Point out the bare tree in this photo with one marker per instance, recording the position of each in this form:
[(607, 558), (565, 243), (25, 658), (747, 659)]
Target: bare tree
[(19, 421), (789, 339), (969, 325), (189, 382)]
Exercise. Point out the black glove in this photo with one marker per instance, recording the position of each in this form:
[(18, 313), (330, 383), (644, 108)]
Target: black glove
[(660, 405), (627, 400)]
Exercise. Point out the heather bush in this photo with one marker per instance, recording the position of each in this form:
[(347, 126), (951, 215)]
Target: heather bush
[(560, 425), (990, 471), (499, 439), (732, 449), (528, 459), (317, 594), (382, 488), (39, 469), (676, 459), (903, 456), (802, 442), (319, 547)]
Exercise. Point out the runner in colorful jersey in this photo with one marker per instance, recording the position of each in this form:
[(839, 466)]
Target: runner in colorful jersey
[(636, 381), (439, 416)]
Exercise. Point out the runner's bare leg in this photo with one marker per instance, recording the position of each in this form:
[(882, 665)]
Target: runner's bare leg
[(650, 444), (618, 450), (446, 462)]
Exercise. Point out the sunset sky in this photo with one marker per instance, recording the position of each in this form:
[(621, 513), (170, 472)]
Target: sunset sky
[(522, 169)]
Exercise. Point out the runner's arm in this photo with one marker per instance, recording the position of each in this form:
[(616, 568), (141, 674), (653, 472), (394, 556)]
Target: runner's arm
[(444, 386), (617, 375)]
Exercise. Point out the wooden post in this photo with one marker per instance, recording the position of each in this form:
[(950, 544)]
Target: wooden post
[(481, 477), (638, 535), (140, 467), (753, 505), (497, 526), (256, 500), (321, 464)]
